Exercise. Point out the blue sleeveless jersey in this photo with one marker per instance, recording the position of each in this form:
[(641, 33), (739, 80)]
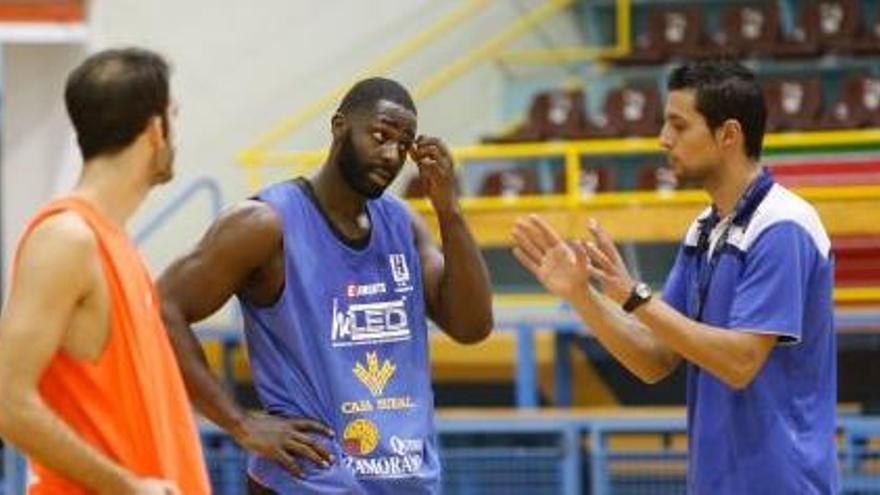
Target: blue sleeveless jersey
[(346, 344)]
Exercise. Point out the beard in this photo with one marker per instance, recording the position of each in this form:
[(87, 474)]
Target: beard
[(355, 171), (163, 166)]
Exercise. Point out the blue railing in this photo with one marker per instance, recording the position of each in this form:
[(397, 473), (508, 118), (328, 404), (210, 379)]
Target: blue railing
[(180, 200), (565, 452)]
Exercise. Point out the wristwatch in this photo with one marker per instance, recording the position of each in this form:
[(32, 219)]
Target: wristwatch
[(641, 293)]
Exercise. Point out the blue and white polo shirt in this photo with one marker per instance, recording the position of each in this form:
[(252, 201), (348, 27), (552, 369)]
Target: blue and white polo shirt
[(765, 269)]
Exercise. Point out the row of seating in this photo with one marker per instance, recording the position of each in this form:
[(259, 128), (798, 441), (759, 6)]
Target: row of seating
[(754, 29), (636, 110), (857, 256)]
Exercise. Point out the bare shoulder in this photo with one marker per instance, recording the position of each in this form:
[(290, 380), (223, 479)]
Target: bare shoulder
[(251, 218), (65, 235), (62, 247)]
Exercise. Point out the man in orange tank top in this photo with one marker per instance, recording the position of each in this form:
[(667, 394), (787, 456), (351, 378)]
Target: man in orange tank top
[(90, 385)]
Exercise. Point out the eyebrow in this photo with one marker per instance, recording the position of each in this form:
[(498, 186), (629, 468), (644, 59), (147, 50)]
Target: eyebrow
[(388, 122)]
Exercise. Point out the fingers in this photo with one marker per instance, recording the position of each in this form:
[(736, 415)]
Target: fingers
[(597, 273), (599, 258), (538, 231), (581, 253), (527, 244), (312, 425), (526, 260), (289, 463), (550, 236), (604, 242), (303, 446)]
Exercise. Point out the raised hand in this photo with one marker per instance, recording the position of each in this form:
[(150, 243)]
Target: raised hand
[(607, 266), (285, 440), (563, 268), (434, 161)]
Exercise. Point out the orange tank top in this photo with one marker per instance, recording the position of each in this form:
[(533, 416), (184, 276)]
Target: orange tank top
[(130, 403)]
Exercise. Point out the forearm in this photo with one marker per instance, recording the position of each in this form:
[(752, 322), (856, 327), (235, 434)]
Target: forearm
[(27, 422), (206, 391), (465, 289), (730, 355), (625, 338)]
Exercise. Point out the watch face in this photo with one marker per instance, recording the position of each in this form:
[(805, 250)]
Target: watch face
[(643, 290)]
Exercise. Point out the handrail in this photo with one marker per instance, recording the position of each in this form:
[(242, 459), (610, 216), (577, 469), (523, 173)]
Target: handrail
[(774, 143), (177, 202), (569, 54), (256, 155)]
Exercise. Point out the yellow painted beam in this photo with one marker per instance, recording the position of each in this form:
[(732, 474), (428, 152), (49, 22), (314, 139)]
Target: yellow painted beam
[(604, 146), (650, 216), (571, 54)]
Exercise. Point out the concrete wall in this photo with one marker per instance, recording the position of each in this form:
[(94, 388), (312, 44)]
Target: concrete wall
[(240, 67)]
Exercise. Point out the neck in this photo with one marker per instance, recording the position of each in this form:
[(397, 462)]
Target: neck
[(726, 189), (333, 192), (113, 186)]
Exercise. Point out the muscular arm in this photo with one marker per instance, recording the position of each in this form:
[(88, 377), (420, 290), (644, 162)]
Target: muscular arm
[(457, 287), (199, 283), (238, 246), (52, 278)]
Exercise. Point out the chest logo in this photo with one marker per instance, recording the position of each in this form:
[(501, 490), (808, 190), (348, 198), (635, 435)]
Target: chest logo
[(374, 376)]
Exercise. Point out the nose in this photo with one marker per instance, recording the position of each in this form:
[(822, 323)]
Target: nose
[(391, 152), (665, 138)]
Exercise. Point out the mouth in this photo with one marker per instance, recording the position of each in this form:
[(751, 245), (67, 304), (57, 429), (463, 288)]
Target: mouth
[(380, 176)]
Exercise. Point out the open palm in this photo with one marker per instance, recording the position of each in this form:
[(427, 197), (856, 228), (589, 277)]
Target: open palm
[(562, 268)]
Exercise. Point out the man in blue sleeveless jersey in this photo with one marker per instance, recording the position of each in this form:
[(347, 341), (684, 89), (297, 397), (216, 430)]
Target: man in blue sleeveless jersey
[(747, 304), (335, 279)]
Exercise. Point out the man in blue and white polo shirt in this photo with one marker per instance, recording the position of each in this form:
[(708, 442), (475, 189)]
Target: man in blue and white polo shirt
[(748, 303)]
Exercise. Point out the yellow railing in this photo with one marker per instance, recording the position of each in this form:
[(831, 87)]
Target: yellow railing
[(570, 54), (257, 154), (572, 151)]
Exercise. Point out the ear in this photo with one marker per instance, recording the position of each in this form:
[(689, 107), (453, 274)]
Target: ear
[(338, 124), (156, 132), (730, 134)]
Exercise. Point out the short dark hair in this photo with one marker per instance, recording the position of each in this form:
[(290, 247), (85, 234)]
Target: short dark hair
[(367, 93), (112, 95), (726, 90)]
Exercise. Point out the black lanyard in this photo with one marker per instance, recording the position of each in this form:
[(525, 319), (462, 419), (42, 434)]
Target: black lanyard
[(742, 213)]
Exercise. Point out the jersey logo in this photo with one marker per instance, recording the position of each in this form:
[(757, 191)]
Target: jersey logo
[(361, 437), (371, 323), (374, 376), (400, 272)]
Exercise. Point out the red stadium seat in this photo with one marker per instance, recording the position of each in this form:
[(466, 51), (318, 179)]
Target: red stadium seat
[(793, 104)]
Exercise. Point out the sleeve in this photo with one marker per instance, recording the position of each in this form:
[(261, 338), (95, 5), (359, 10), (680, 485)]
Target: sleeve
[(675, 289), (771, 293)]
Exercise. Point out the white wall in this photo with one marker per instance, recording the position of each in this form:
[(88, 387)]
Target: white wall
[(240, 67), (38, 152)]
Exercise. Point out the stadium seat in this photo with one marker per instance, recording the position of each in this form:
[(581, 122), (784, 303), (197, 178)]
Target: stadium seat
[(833, 25), (750, 29), (633, 110), (656, 177), (510, 183), (592, 180), (555, 114), (671, 33), (858, 105), (793, 104)]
